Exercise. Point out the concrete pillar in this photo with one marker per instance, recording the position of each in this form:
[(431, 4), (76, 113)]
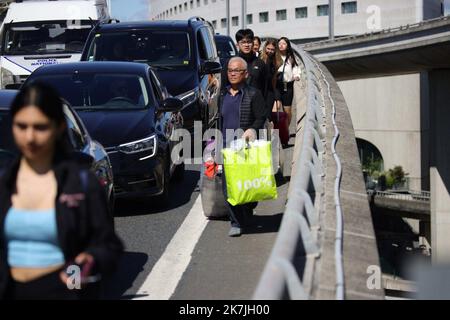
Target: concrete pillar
[(440, 164), (425, 131)]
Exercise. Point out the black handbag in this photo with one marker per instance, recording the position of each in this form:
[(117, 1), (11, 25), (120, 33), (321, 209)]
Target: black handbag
[(280, 75)]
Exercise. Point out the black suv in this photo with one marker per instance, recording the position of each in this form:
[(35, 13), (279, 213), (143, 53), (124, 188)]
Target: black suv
[(183, 53)]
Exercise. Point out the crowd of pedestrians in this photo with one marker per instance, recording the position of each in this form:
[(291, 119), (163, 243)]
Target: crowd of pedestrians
[(259, 86)]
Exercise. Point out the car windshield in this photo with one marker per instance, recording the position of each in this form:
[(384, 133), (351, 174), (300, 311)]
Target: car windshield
[(225, 48), (100, 90), (157, 48), (47, 37)]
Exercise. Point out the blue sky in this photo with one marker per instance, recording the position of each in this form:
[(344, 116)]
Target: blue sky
[(447, 6), (130, 10)]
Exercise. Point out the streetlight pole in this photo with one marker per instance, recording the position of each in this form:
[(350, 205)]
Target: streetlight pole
[(228, 17), (244, 13), (331, 19)]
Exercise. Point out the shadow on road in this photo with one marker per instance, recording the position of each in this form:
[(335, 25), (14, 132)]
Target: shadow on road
[(130, 266), (264, 224), (181, 194)]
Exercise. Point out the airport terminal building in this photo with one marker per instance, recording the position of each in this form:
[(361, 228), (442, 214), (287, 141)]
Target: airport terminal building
[(300, 20), (386, 110)]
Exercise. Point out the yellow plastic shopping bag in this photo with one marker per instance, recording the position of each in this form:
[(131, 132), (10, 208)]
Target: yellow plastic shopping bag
[(249, 172)]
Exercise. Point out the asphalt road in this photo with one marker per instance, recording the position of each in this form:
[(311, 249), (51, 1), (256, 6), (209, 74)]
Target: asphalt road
[(146, 229), (230, 267), (211, 265)]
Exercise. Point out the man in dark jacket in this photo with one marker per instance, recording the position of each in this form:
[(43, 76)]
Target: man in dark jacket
[(242, 107), (257, 70)]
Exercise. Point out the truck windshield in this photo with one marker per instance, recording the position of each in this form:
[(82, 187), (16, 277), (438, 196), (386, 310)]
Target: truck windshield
[(158, 48), (99, 91), (47, 37)]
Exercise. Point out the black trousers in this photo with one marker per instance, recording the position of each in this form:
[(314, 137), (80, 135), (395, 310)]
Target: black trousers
[(48, 287), (240, 215)]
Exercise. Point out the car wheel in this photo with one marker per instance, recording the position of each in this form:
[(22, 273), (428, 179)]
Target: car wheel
[(178, 174)]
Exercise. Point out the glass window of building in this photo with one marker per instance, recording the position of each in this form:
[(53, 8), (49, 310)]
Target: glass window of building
[(322, 10), (198, 3), (175, 10), (206, 2), (349, 7), (180, 8), (250, 19), (214, 23), (192, 4), (235, 21), (185, 6), (223, 22), (264, 17), (301, 13), (281, 15)]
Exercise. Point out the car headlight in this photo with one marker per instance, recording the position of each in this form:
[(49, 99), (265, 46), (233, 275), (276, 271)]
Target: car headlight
[(7, 77), (188, 97), (147, 144)]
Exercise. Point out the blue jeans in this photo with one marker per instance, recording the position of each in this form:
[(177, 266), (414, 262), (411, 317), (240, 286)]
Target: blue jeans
[(240, 214)]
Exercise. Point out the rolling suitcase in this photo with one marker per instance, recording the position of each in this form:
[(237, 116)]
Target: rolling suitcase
[(211, 193), (280, 122), (213, 201)]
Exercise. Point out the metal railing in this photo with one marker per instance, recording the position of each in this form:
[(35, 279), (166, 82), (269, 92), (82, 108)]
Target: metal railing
[(290, 270), (409, 27), (406, 196)]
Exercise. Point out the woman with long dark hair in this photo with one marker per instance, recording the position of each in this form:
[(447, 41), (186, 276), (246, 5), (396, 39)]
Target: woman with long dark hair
[(272, 58), (288, 72), (53, 211)]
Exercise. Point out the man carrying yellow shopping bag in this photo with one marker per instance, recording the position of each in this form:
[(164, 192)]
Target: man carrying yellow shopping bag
[(242, 108)]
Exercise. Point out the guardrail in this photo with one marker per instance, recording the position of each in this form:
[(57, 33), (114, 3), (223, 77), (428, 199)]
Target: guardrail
[(408, 196), (378, 32), (289, 272)]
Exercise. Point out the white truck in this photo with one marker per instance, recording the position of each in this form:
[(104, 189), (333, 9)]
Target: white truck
[(43, 32)]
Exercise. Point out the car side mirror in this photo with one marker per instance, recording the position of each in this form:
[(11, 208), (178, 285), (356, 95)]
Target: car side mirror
[(171, 105), (211, 67)]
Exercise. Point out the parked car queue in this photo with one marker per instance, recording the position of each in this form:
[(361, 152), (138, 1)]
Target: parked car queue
[(126, 106)]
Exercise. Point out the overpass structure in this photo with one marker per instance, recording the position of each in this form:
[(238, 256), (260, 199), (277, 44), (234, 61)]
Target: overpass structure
[(423, 47), (412, 48)]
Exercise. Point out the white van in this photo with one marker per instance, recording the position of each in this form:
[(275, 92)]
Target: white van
[(42, 32)]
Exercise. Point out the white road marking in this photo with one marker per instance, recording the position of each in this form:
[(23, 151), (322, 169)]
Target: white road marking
[(167, 272)]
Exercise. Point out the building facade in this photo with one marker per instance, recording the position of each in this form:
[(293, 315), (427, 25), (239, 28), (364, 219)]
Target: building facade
[(301, 19), (388, 113)]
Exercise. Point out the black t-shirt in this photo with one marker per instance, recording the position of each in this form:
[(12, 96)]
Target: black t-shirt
[(257, 72)]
